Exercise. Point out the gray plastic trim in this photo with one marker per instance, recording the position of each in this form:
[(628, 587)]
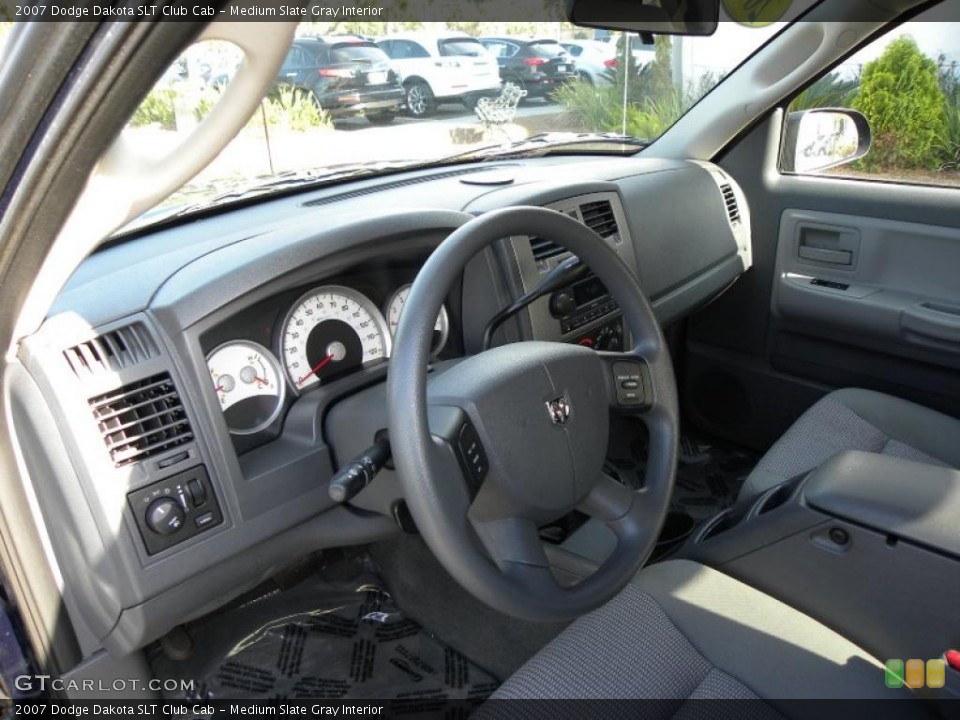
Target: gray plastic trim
[(909, 500), (901, 277)]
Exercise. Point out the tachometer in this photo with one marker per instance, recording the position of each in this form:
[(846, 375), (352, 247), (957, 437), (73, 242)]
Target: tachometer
[(440, 330), (249, 385), (329, 332)]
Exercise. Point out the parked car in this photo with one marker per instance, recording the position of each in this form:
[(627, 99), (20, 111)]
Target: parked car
[(440, 68), (595, 60), (642, 53), (345, 75), (538, 66)]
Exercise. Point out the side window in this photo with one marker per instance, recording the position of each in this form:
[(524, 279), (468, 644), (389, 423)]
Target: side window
[(407, 50), (294, 59), (418, 51), (907, 86), (497, 49), (388, 46)]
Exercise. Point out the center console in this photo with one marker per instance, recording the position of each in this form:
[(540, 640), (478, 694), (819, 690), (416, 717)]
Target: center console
[(867, 544), (583, 312)]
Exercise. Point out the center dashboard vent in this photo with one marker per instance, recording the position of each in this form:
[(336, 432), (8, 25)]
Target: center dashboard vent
[(545, 249), (115, 350), (598, 216), (141, 419), (730, 200)]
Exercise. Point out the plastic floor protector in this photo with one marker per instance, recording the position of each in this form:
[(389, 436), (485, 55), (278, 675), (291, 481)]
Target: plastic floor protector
[(318, 641)]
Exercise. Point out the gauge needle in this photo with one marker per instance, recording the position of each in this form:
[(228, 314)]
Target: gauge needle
[(320, 365)]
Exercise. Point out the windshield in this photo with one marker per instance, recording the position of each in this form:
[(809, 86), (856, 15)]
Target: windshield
[(366, 98)]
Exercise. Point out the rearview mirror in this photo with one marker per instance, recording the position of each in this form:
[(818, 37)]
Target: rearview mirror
[(824, 138), (660, 17)]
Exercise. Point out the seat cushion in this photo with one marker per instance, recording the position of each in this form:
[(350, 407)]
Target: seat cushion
[(853, 419), (683, 631)]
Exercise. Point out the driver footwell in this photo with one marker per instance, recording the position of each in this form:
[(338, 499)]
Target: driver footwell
[(345, 639)]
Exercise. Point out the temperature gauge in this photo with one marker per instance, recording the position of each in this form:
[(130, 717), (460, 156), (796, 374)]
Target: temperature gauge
[(440, 330), (249, 385)]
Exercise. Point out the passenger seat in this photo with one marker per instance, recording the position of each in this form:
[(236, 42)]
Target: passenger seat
[(853, 419)]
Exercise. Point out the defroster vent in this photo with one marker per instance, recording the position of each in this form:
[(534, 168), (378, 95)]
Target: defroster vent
[(141, 419)]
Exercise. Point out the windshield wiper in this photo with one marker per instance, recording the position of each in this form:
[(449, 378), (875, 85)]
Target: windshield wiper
[(547, 143)]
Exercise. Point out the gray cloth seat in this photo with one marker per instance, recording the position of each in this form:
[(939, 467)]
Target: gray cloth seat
[(854, 419), (681, 631)]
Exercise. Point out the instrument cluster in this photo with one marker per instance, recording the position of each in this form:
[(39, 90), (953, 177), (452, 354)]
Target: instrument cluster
[(326, 333)]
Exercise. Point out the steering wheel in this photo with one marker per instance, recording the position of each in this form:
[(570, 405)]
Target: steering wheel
[(514, 438)]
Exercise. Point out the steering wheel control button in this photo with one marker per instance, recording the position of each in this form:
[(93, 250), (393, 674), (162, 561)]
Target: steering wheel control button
[(175, 509), (630, 381), (165, 516), (472, 457)]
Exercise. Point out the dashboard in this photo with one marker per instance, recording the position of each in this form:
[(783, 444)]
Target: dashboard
[(198, 386)]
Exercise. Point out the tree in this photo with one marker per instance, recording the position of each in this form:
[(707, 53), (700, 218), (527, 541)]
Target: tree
[(901, 97)]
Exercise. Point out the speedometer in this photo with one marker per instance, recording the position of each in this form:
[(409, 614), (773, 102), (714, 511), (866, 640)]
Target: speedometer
[(330, 332)]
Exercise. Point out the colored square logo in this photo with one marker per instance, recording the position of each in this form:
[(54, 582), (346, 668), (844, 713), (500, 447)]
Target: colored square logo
[(893, 675), (914, 673), (936, 673)]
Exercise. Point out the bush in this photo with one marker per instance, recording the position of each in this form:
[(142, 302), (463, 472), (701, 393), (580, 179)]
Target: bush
[(649, 112), (949, 143), (291, 109), (157, 109), (830, 91), (901, 96)]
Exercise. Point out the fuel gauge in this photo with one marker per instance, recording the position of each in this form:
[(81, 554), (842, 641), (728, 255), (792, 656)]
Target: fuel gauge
[(249, 385)]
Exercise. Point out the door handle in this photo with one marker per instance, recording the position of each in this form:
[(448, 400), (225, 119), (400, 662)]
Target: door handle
[(835, 257), (827, 245)]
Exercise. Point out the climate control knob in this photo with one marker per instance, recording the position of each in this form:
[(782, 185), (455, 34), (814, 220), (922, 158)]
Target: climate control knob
[(165, 516), (562, 304)]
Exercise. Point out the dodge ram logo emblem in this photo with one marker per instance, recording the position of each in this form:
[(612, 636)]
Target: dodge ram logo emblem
[(559, 410)]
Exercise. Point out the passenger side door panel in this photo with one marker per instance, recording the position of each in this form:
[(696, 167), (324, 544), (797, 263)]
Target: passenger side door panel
[(855, 283)]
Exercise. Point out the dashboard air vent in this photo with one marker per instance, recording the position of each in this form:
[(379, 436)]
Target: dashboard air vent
[(545, 249), (599, 217), (112, 351), (730, 199), (141, 419)]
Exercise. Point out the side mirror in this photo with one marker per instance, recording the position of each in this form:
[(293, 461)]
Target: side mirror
[(824, 138)]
